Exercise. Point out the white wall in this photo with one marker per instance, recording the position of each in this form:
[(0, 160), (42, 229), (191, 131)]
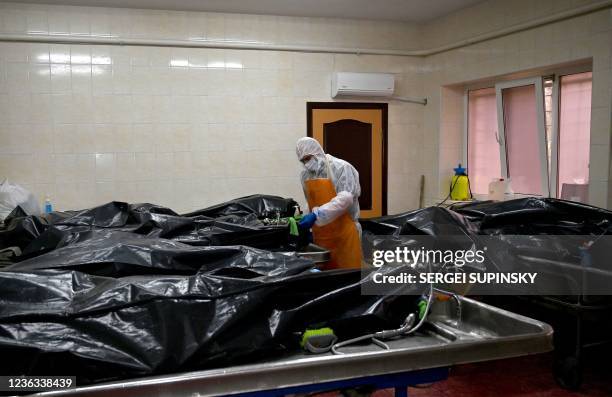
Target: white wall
[(185, 128), (190, 127), (587, 37)]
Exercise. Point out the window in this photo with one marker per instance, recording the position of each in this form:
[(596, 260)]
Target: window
[(534, 132), (520, 119), (574, 136), (483, 146)]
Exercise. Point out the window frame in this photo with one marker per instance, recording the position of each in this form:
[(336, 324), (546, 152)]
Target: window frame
[(554, 153), (538, 84), (554, 73)]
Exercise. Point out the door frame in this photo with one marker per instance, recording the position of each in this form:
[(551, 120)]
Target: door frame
[(383, 107)]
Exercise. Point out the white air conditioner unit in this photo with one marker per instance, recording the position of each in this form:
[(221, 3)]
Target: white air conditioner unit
[(362, 84)]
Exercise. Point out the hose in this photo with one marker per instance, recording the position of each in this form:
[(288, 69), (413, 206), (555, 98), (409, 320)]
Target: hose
[(405, 329)]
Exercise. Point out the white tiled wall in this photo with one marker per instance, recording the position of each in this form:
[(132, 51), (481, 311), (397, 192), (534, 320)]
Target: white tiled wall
[(172, 25), (191, 127), (489, 15), (581, 38), (186, 128)]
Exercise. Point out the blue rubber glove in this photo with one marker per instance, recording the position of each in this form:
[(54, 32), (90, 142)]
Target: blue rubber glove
[(308, 220)]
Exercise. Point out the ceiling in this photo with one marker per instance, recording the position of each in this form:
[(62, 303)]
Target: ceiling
[(392, 10)]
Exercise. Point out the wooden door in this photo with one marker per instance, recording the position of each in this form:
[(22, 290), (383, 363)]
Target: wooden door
[(357, 133)]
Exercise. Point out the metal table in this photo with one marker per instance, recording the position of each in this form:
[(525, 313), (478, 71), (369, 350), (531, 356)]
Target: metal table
[(458, 330)]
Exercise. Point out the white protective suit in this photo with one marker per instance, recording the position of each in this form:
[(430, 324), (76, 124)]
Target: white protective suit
[(343, 175)]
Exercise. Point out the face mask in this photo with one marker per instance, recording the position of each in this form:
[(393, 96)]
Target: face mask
[(311, 164)]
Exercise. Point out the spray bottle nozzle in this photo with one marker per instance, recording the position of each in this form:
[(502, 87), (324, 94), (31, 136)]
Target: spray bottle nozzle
[(459, 170)]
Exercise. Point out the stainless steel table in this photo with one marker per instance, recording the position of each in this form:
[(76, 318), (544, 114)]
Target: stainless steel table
[(458, 330)]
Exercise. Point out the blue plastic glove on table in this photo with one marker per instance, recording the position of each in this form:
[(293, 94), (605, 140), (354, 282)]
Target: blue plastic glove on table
[(307, 221)]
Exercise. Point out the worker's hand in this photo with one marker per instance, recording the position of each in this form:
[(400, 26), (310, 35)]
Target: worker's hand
[(308, 220)]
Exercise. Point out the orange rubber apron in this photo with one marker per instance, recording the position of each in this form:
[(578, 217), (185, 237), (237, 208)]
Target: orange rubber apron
[(340, 236)]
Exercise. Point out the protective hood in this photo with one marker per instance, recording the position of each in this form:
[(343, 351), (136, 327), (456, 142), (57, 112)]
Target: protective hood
[(308, 147)]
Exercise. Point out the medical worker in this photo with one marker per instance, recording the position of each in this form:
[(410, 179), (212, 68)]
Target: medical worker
[(332, 190)]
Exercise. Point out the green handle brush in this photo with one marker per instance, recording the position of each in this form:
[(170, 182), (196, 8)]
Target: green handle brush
[(318, 340)]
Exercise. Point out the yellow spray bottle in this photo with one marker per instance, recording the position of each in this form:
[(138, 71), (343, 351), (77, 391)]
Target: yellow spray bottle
[(460, 185)]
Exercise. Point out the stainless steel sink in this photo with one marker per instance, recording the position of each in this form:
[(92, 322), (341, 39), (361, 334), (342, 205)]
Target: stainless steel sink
[(315, 252), (312, 251)]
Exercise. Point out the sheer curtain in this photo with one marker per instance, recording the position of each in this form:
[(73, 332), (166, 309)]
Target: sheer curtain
[(574, 134), (522, 139), (483, 149)]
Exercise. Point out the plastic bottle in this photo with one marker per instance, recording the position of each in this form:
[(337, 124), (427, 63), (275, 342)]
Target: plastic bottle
[(500, 190), (497, 189), (460, 185), (48, 205)]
